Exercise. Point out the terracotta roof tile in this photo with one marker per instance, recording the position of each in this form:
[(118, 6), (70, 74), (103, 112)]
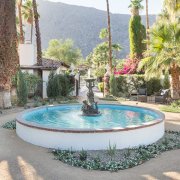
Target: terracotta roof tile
[(50, 63)]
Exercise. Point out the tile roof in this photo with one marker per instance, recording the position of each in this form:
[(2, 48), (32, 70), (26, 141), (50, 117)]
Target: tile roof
[(50, 63), (83, 66)]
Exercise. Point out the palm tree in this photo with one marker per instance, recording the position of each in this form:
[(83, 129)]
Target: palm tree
[(38, 35), (99, 55), (104, 34), (109, 32), (19, 5), (135, 7), (8, 52), (18, 29), (147, 22), (163, 17), (173, 8), (165, 54), (28, 14), (117, 47)]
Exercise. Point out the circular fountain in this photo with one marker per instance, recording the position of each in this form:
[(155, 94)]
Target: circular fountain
[(90, 127)]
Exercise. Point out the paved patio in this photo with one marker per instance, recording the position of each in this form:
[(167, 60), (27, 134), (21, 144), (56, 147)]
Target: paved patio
[(20, 160)]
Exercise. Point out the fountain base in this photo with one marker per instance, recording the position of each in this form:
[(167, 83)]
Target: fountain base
[(89, 110), (91, 115)]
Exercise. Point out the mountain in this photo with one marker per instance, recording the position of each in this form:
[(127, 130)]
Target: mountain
[(82, 25)]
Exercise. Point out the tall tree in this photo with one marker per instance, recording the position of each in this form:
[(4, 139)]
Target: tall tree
[(38, 35), (173, 8), (28, 14), (66, 52), (163, 17), (9, 59), (165, 54), (18, 29), (19, 5), (135, 7), (109, 32), (137, 31), (147, 21), (117, 47), (104, 34)]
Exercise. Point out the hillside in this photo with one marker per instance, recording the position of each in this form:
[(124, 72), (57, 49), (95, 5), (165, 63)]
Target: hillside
[(82, 25)]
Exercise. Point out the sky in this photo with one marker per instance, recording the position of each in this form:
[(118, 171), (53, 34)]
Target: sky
[(116, 6)]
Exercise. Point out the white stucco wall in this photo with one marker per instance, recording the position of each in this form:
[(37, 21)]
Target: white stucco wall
[(27, 54), (45, 74), (90, 141), (30, 71)]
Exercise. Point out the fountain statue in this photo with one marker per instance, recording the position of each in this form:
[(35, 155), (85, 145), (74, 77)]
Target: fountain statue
[(90, 107)]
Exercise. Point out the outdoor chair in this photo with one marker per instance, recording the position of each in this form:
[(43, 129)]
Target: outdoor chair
[(162, 97), (142, 94)]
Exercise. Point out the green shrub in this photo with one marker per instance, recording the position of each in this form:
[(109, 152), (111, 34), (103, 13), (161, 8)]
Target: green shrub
[(128, 83), (50, 84), (121, 84), (137, 32), (22, 89), (83, 155), (100, 71), (14, 101), (10, 125), (82, 72), (111, 150), (36, 101), (101, 86), (153, 85), (32, 81), (112, 84), (53, 85), (43, 102), (166, 81), (51, 101)]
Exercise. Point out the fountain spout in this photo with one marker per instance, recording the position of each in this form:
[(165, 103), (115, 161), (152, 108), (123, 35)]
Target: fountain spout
[(90, 107)]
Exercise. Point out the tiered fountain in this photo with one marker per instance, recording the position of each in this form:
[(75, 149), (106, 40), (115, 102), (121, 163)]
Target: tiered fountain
[(90, 107), (74, 126)]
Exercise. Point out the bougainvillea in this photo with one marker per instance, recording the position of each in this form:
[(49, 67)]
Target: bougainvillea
[(130, 66)]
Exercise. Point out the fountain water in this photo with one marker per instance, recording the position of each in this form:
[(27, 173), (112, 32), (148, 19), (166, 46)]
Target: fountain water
[(90, 107)]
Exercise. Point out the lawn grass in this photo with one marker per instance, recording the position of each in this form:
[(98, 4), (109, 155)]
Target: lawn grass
[(107, 99), (121, 99), (69, 102), (169, 109)]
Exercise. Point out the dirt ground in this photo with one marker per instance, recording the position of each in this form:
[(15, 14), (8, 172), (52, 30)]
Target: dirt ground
[(20, 160)]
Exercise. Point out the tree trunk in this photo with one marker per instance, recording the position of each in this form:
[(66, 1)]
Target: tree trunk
[(109, 31), (31, 32), (98, 64), (38, 35), (116, 53), (8, 52), (147, 23), (20, 23), (175, 91), (135, 12), (5, 96), (105, 39)]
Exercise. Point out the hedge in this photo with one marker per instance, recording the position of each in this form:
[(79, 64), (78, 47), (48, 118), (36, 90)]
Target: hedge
[(101, 86), (128, 83)]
